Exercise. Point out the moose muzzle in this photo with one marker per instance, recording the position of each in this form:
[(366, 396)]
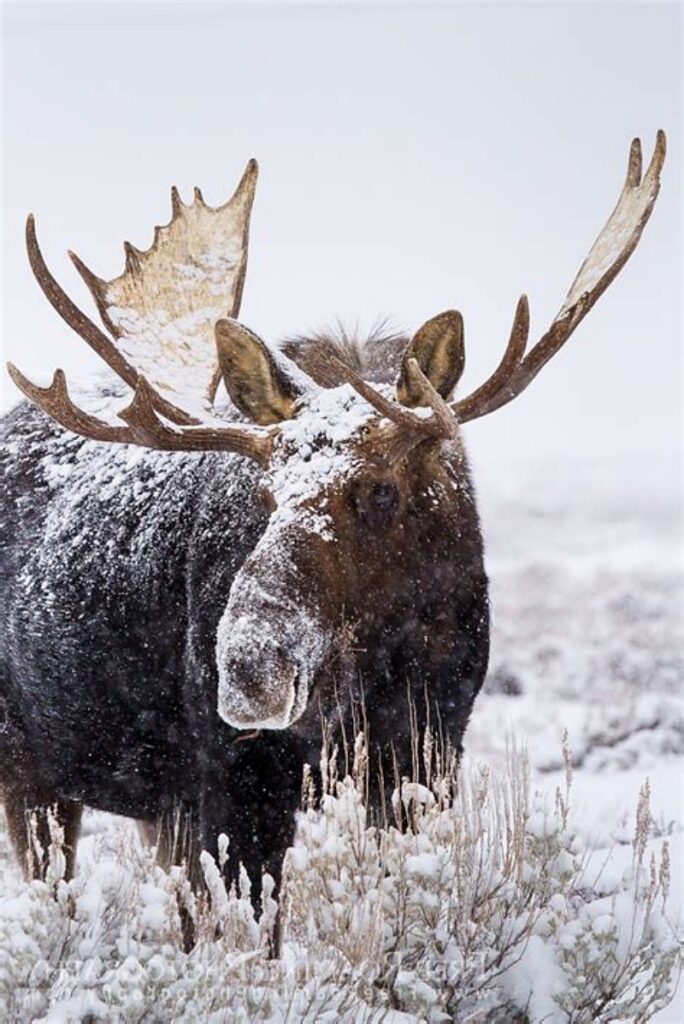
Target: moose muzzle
[(269, 647), (261, 688)]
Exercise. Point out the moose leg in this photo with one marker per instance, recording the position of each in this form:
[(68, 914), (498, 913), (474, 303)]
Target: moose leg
[(174, 834), (254, 801), (29, 831)]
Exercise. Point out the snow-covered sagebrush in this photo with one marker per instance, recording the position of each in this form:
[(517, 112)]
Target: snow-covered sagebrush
[(473, 901)]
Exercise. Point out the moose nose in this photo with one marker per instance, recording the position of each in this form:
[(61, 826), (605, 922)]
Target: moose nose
[(257, 696)]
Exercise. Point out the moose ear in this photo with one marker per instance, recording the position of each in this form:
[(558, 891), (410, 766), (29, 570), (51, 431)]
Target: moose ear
[(256, 384), (439, 350)]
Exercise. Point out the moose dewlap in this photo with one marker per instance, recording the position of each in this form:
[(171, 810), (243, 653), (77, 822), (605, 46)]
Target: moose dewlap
[(192, 582)]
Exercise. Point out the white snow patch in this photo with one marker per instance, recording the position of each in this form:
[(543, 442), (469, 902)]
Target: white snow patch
[(314, 452)]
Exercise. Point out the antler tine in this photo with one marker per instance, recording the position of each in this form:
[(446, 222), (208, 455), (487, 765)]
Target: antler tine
[(634, 165), (144, 427), (468, 408), (443, 413), (607, 256), (391, 410), (148, 429), (84, 327), (56, 402)]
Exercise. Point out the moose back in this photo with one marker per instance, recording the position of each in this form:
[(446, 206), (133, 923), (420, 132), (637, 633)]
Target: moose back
[(259, 539)]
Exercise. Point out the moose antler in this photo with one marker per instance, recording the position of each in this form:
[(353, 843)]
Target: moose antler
[(467, 408), (608, 255), (161, 313), (84, 326), (169, 298), (162, 309), (397, 414), (144, 426)]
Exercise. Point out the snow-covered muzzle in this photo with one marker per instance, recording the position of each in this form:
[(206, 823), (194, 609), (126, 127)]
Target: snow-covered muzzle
[(286, 603), (274, 634), (270, 641)]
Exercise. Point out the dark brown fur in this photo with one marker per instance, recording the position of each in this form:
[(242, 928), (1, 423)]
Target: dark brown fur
[(110, 690), (377, 358)]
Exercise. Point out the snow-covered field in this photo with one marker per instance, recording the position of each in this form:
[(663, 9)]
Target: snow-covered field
[(586, 571)]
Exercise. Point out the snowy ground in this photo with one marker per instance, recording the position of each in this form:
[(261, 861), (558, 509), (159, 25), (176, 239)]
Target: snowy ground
[(586, 571)]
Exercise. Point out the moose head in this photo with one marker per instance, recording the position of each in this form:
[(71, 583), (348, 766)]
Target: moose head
[(359, 479)]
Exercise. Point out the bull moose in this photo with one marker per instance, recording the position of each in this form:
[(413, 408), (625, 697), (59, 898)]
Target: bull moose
[(192, 579)]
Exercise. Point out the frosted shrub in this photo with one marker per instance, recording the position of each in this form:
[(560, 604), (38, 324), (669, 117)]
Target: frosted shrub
[(482, 905), (619, 951), (473, 903)]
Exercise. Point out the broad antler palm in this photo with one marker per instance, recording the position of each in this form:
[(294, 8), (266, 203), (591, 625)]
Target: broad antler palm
[(160, 314)]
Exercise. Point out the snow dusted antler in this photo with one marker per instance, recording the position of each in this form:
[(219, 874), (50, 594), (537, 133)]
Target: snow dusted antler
[(161, 313), (397, 414), (144, 425), (163, 308), (608, 255)]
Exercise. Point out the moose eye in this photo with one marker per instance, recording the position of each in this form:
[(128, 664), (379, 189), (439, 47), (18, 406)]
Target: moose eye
[(384, 496), (377, 504)]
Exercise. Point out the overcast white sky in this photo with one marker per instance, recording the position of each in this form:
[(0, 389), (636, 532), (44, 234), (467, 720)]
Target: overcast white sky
[(413, 158)]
